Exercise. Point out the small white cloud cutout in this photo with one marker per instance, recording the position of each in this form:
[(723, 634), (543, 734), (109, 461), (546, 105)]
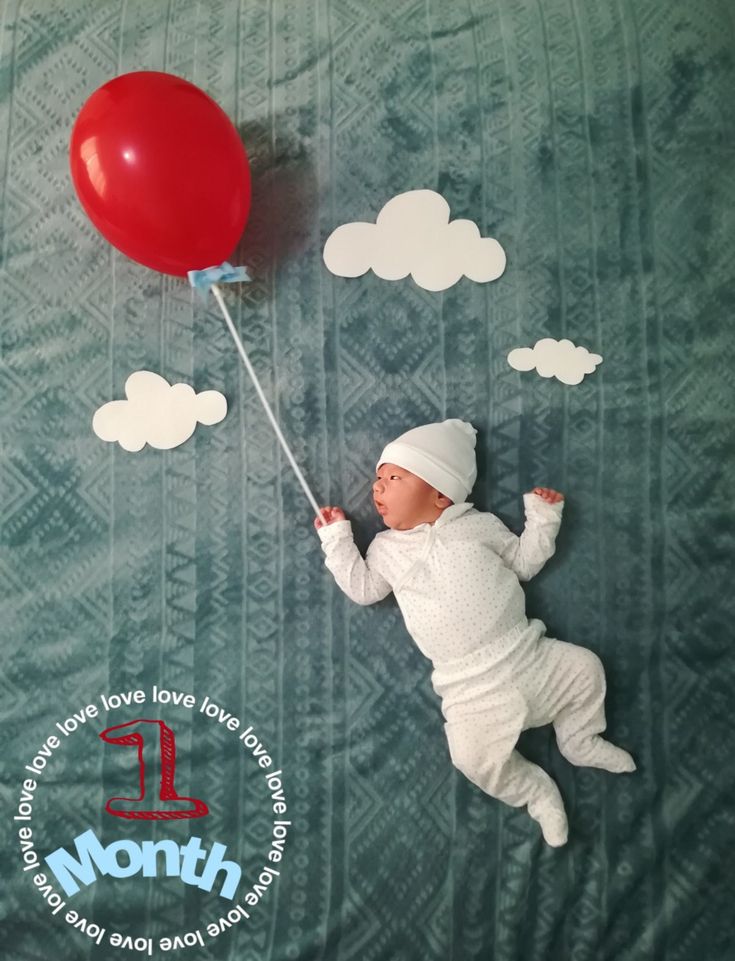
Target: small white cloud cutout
[(413, 235), (555, 358), (157, 413)]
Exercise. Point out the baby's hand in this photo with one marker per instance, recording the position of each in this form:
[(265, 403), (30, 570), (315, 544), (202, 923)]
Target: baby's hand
[(548, 495), (332, 515)]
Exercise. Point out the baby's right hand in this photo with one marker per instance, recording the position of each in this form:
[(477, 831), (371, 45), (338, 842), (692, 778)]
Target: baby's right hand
[(331, 514)]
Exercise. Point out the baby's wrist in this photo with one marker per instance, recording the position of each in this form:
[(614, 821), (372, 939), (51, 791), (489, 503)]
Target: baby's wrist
[(334, 531)]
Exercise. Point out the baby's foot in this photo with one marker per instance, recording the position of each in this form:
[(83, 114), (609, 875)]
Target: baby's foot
[(627, 764), (611, 758), (554, 826), (550, 814), (597, 752)]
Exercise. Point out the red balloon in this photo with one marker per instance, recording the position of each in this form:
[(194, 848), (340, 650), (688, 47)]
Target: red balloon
[(161, 172)]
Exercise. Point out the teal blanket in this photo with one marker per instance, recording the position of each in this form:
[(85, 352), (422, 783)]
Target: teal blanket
[(182, 593)]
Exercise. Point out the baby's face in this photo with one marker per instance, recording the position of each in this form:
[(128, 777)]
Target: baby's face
[(404, 500)]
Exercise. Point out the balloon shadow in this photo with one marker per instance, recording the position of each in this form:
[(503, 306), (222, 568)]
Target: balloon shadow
[(284, 204)]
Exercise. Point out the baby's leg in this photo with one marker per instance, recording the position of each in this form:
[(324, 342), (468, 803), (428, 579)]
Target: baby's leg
[(487, 758), (574, 690)]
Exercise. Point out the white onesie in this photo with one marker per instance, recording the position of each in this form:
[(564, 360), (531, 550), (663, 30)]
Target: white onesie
[(456, 582)]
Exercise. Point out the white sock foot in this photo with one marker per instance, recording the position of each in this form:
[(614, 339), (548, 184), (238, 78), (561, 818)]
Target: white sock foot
[(599, 753), (550, 814), (627, 764), (554, 826)]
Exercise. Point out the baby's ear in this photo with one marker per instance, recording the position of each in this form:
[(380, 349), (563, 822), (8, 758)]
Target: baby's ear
[(442, 500)]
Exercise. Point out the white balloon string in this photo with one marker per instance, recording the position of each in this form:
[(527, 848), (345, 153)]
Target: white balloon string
[(264, 401)]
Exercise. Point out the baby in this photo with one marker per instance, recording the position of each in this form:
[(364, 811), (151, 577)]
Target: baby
[(456, 574)]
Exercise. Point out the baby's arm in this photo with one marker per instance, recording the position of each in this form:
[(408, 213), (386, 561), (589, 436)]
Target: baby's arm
[(527, 554), (357, 577)]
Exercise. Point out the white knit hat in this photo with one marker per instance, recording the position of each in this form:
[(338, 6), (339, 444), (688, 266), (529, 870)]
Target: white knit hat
[(441, 454)]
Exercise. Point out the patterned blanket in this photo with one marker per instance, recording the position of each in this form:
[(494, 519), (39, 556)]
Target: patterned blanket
[(169, 632)]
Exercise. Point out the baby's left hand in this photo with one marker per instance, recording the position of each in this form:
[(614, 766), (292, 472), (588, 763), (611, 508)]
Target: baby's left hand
[(548, 495)]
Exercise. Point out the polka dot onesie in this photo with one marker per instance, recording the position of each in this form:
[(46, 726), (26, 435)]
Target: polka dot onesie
[(457, 584)]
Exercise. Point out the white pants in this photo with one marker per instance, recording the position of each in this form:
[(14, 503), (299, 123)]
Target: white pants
[(564, 686)]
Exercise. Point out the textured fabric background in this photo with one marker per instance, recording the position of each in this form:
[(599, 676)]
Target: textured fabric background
[(595, 141)]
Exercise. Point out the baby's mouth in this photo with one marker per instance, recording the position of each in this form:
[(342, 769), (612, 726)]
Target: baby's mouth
[(380, 508)]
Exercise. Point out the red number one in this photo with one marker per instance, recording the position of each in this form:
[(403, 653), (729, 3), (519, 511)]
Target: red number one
[(154, 753)]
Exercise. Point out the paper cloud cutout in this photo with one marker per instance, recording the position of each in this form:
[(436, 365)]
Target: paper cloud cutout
[(157, 413), (413, 235), (555, 358)]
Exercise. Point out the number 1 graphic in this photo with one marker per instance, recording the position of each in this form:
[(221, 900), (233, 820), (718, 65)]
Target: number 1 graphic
[(155, 753)]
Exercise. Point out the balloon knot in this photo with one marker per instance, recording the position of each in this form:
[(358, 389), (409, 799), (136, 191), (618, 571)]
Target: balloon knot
[(202, 280)]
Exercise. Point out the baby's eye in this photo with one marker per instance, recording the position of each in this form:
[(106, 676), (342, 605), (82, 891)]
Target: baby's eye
[(395, 477)]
